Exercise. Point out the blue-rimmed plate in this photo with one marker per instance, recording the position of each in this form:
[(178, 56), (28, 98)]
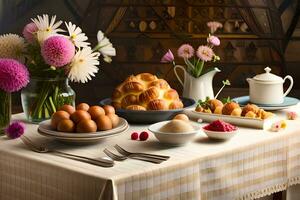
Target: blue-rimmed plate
[(288, 102), (150, 116)]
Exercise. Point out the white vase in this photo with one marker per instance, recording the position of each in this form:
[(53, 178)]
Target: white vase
[(197, 88)]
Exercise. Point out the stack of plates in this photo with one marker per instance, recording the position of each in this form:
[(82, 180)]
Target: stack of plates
[(46, 130)]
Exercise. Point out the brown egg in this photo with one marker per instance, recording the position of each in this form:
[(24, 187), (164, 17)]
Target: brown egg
[(68, 108), (86, 126), (109, 109), (83, 106), (182, 117), (58, 116), (114, 119), (103, 123), (79, 115), (66, 125), (96, 111)]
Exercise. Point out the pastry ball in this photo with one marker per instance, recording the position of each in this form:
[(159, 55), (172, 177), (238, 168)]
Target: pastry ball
[(236, 112), (214, 103), (104, 123), (250, 107), (79, 115), (68, 108), (83, 106), (250, 114), (229, 107), (66, 125), (114, 119), (218, 110), (96, 111), (86, 126), (109, 109), (58, 116)]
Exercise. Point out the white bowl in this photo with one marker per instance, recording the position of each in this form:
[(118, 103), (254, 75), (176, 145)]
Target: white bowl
[(220, 135), (173, 138)]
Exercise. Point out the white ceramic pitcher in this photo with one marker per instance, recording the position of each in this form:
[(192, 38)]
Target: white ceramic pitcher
[(196, 88)]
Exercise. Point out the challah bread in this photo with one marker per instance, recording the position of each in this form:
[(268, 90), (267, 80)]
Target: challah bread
[(145, 92)]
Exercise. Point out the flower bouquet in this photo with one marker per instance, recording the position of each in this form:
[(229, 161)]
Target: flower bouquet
[(204, 53), (53, 56), (197, 82)]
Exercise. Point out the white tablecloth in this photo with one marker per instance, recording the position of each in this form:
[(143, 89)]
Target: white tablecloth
[(252, 164)]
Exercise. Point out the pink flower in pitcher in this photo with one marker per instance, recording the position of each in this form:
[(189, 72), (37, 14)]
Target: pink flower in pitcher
[(205, 53), (214, 26), (215, 41), (186, 51), (168, 57)]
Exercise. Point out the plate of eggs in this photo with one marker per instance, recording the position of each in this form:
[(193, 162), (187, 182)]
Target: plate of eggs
[(83, 123)]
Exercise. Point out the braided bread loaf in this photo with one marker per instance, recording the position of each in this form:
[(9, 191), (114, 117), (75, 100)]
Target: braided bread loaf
[(145, 92)]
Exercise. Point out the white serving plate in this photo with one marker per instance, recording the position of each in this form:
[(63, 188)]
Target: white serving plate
[(176, 139), (82, 140), (220, 135), (45, 127), (237, 121)]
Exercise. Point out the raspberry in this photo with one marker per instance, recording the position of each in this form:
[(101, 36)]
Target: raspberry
[(134, 136), (144, 136)]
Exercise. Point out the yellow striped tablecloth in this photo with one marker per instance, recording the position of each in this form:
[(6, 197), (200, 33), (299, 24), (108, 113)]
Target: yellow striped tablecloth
[(252, 164)]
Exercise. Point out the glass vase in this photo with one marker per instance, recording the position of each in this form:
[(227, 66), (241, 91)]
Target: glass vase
[(43, 96), (5, 110)]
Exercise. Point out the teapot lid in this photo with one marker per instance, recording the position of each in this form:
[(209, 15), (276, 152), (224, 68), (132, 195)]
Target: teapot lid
[(268, 77)]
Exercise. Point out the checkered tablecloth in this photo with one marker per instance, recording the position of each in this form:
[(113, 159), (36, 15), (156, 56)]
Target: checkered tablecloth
[(252, 164)]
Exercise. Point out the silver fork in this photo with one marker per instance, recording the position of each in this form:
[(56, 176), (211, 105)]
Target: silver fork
[(146, 155), (42, 149), (122, 157)]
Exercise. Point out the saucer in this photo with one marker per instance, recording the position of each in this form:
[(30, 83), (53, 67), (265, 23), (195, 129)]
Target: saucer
[(288, 102)]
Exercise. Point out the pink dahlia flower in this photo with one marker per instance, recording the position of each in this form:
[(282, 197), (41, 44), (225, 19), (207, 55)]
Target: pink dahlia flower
[(15, 130), (28, 32), (205, 53), (58, 51), (215, 41), (168, 57), (186, 51), (13, 75)]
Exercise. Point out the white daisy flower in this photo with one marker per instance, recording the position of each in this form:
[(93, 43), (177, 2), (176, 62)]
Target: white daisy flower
[(46, 28), (76, 36), (83, 65), (105, 47)]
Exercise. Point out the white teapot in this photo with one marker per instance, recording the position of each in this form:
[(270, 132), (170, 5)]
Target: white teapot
[(267, 88)]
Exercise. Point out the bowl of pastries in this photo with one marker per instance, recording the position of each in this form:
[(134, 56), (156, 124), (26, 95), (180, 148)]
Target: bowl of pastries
[(144, 98), (249, 115)]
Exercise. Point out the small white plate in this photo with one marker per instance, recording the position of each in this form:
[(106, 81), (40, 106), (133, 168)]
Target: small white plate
[(45, 127), (220, 135), (176, 139)]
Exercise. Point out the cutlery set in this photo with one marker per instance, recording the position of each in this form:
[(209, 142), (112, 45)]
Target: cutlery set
[(123, 154)]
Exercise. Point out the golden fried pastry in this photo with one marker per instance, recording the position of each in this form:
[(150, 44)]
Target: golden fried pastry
[(236, 112), (250, 107), (214, 103), (250, 114), (229, 107), (145, 92), (218, 110)]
